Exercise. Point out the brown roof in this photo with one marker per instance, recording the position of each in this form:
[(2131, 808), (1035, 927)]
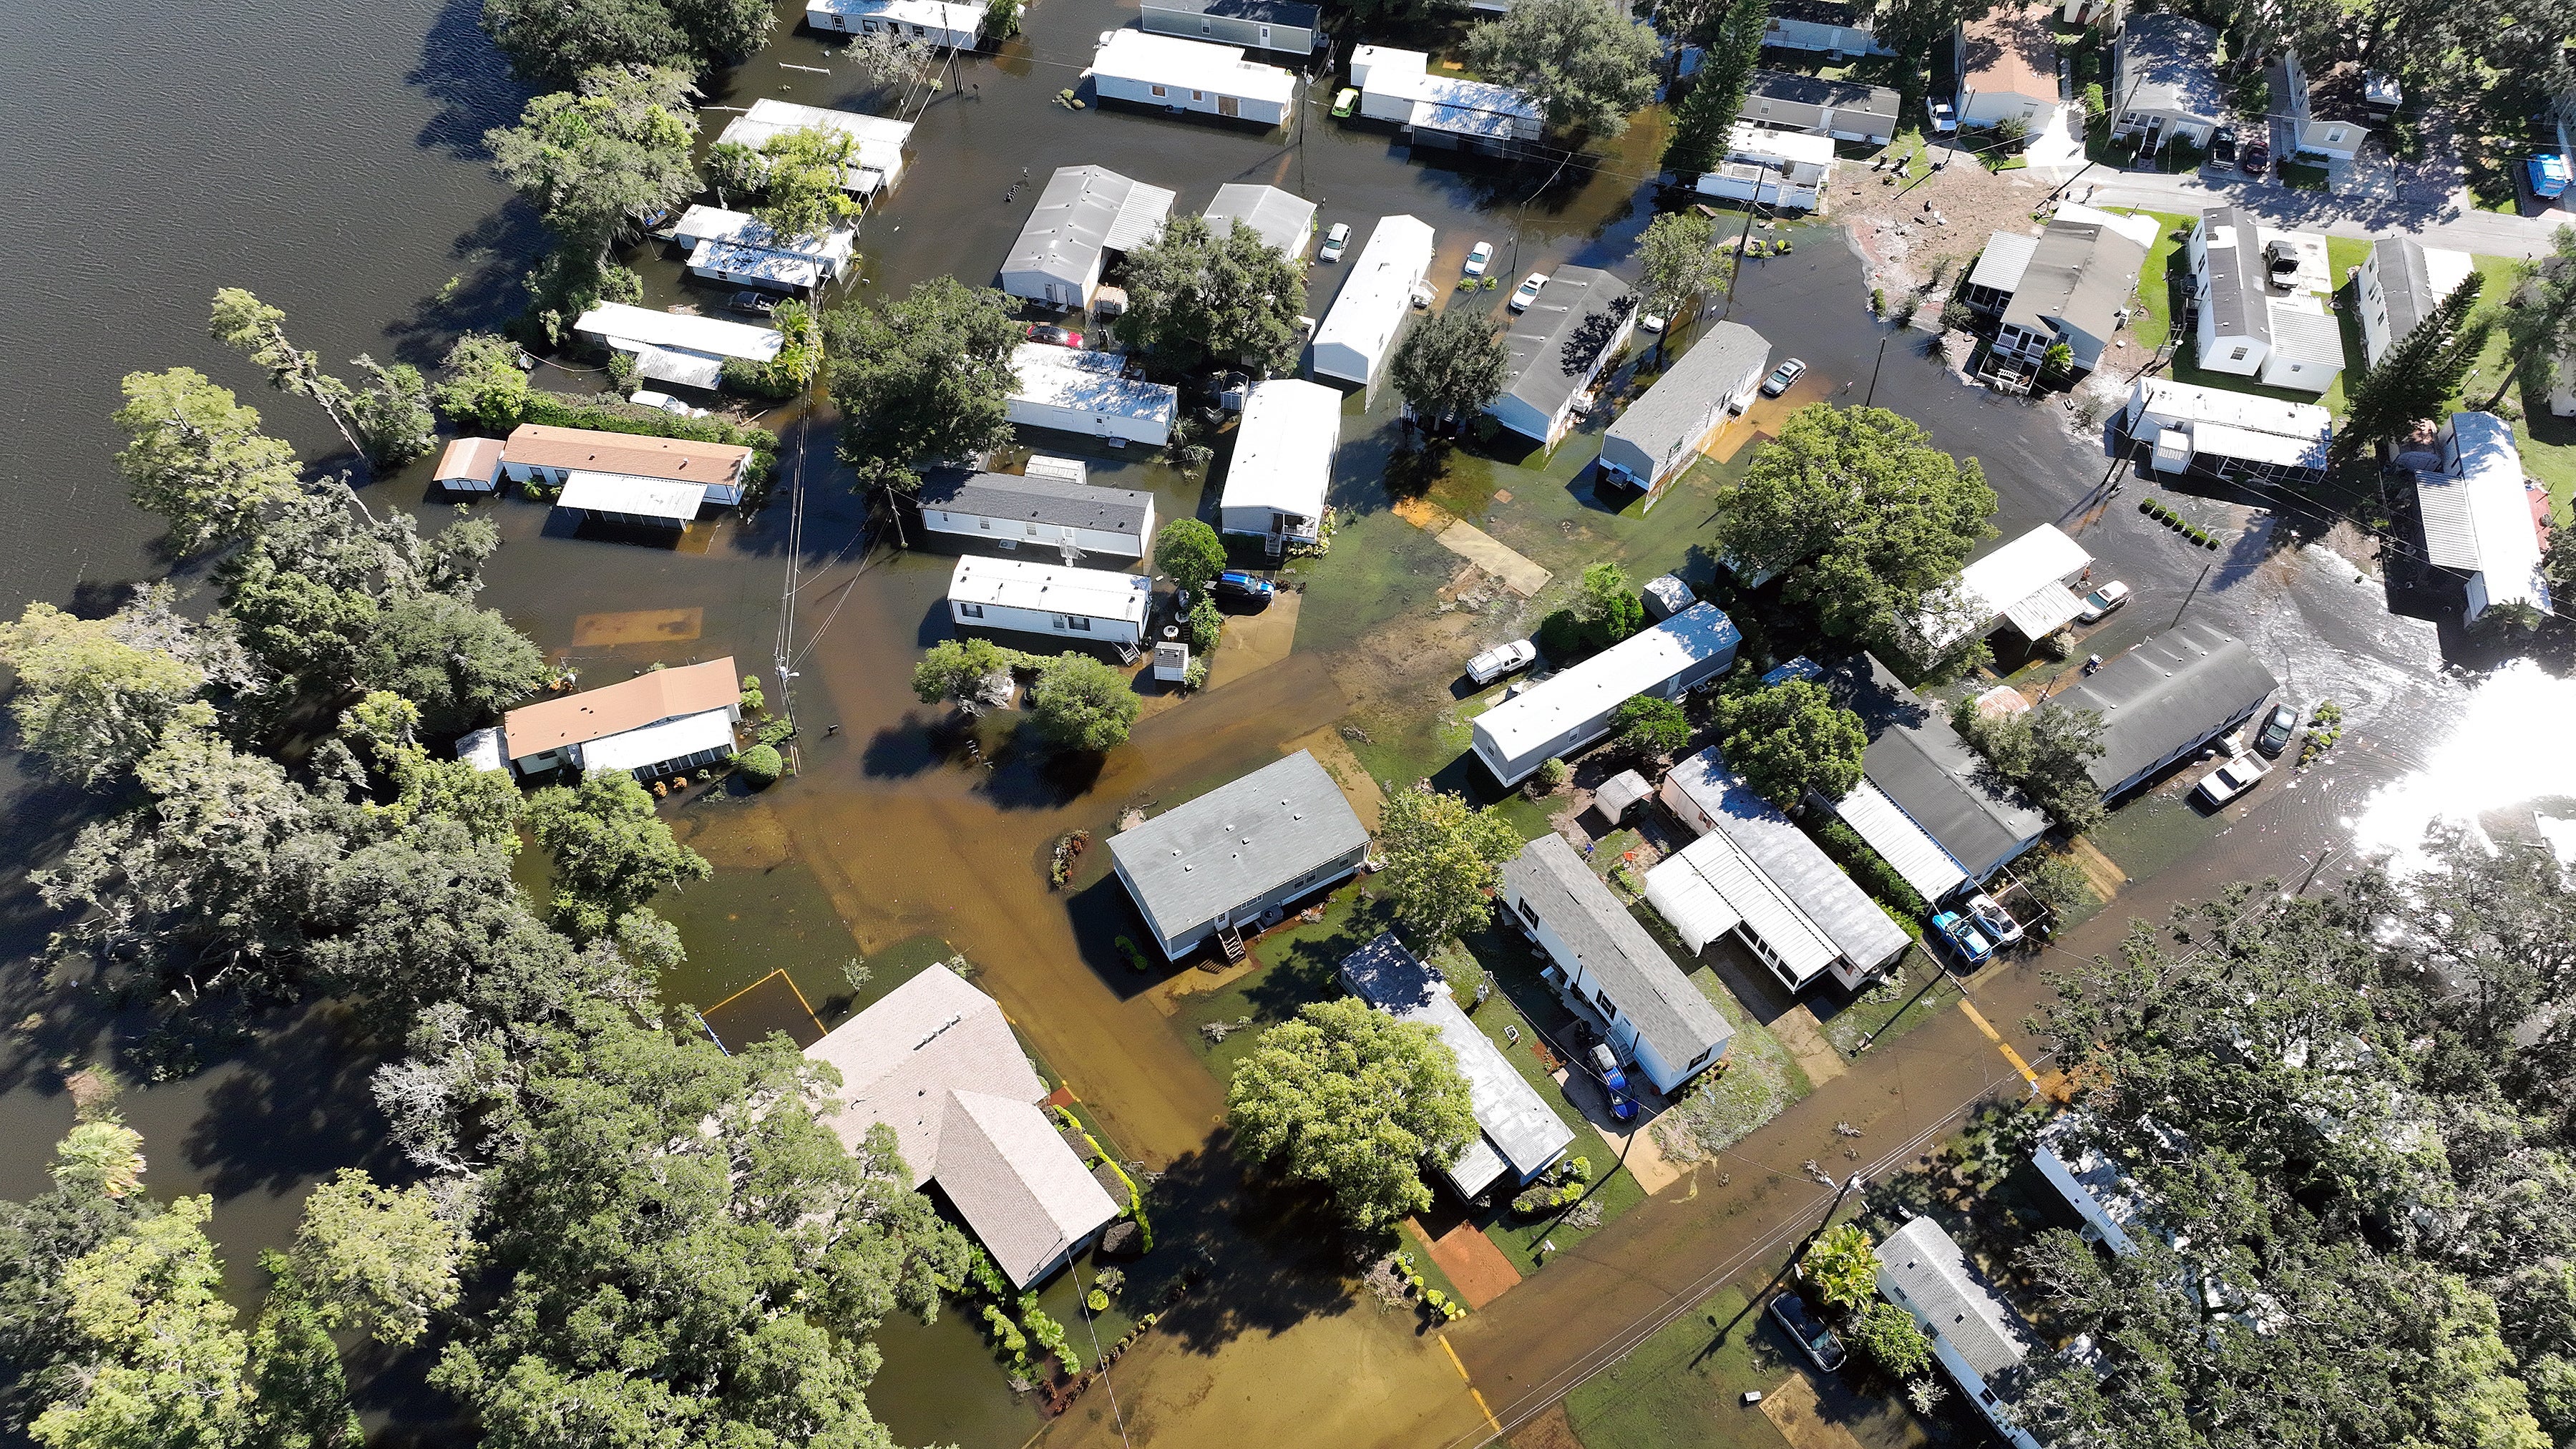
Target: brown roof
[(2011, 51), (595, 714), (477, 458), (679, 459)]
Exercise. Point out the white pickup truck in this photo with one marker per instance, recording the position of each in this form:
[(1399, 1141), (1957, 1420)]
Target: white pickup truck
[(2232, 778)]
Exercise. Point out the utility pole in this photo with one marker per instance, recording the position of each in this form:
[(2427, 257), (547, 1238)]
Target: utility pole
[(1736, 279)]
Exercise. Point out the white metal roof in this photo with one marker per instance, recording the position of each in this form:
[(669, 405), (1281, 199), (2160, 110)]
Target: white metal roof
[(928, 14), (880, 141), (1170, 60), (1050, 588), (626, 493), (2166, 401), (632, 329), (2001, 583), (722, 224), (1091, 382), (1900, 841), (2006, 257), (2220, 440), (1283, 218), (2478, 516), (1384, 68), (1461, 107), (670, 739), (740, 262), (1283, 451), (681, 369), (1789, 146), (1713, 880), (1628, 668), (484, 749), (1373, 300), (2043, 611)]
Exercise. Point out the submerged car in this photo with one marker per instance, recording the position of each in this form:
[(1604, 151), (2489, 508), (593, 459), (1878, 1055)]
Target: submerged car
[(1528, 291), (1334, 240), (2278, 726), (1479, 257), (1502, 659), (1783, 377), (2099, 603), (2232, 779), (1060, 336), (1963, 937), (1235, 586), (1822, 1347), (1345, 101), (1993, 921)]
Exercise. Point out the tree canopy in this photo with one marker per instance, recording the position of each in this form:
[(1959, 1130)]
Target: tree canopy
[(2043, 752), (1450, 366), (90, 696), (2540, 316), (609, 152), (560, 40), (1790, 738), (2414, 380), (1082, 704), (804, 181), (1645, 725), (1584, 60), (1189, 553), (611, 851), (1861, 512), (1678, 260), (198, 458), (1443, 860), (1708, 114), (968, 673), (924, 377), (1193, 294), (1349, 1097)]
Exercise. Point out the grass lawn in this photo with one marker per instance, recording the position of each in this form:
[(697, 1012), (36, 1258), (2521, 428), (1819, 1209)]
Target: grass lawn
[(1684, 1385), (1760, 1081), (1897, 1004), (2548, 443), (2301, 177), (1298, 964), (2153, 287)]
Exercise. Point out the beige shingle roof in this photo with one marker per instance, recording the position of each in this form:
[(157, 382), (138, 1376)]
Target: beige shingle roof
[(537, 445), (595, 714)]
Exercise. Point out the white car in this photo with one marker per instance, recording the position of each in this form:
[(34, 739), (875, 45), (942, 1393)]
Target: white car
[(2233, 778), (1479, 257), (1528, 291), (1334, 240), (1944, 119), (1650, 324), (647, 398), (1992, 919), (1502, 659), (2099, 603)]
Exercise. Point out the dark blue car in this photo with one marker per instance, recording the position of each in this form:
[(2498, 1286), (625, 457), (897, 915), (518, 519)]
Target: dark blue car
[(1235, 586)]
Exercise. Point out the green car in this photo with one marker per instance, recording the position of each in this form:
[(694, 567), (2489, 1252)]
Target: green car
[(1344, 101)]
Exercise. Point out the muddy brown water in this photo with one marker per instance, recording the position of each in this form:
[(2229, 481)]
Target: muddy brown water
[(893, 841)]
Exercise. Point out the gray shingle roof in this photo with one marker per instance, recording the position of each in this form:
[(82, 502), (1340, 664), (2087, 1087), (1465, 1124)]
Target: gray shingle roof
[(1808, 90), (2170, 693), (1034, 499), (1678, 401), (1523, 1129), (2406, 283), (1925, 1265), (2237, 303), (1804, 873), (2081, 273), (1559, 340), (1083, 211), (1237, 841), (2169, 64), (1921, 764), (1670, 1013)]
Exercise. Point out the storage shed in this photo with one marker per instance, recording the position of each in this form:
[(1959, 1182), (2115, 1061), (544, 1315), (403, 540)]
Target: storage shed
[(948, 24), (1283, 218), (1173, 74), (1358, 334), (1562, 714), (1089, 393), (1687, 409), (469, 465), (1210, 868), (1559, 345), (1085, 213), (1287, 26), (1283, 462), (1043, 510), (878, 160), (1078, 606)]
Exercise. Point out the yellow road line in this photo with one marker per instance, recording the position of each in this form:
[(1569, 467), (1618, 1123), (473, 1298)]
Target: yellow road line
[(2001, 1045), (1461, 1367)]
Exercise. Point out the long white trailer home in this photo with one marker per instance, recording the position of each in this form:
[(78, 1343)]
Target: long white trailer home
[(1283, 462), (943, 23), (1563, 714), (1359, 333), (1173, 74), (1083, 606)]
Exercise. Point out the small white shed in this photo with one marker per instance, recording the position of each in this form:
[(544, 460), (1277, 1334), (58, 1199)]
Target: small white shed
[(1089, 393), (1283, 462), (1359, 332), (470, 465), (1075, 605)]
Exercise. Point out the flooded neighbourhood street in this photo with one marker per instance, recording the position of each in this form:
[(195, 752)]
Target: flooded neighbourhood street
[(344, 182)]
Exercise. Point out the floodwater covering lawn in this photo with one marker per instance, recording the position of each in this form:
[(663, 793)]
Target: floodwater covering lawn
[(1684, 1385), (1898, 1003)]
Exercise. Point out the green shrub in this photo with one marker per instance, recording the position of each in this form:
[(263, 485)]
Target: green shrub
[(1561, 638), (1845, 848), (760, 766), (1096, 1301), (1206, 624), (1553, 775), (1135, 958), (800, 356)]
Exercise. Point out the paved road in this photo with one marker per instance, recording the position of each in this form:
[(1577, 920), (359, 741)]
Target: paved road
[(2378, 206)]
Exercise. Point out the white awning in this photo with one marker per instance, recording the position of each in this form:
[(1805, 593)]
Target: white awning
[(2045, 611), (1697, 912), (684, 369), (1900, 841), (1476, 1169), (1712, 881), (628, 494), (656, 744)]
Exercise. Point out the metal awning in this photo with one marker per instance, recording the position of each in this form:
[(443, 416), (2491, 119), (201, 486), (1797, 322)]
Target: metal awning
[(624, 493), (2047, 610), (1900, 841)]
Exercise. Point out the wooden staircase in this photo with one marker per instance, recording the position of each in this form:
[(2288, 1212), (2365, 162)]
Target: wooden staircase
[(1231, 940)]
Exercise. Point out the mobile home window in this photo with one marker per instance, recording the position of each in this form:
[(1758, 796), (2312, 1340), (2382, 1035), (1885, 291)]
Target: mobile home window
[(1073, 622), (1528, 914), (971, 611), (1158, 90)]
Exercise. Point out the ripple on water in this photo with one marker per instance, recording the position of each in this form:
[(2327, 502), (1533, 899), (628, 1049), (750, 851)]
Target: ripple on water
[(2506, 749)]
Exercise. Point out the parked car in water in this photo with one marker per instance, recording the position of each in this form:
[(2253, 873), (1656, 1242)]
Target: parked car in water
[(1527, 291), (1060, 336), (2278, 726), (1963, 937), (1479, 257), (2238, 775), (1502, 659), (1235, 586), (1783, 377), (1605, 1062), (1345, 101), (1334, 240), (753, 303), (2222, 146), (1649, 323), (1822, 1347), (2099, 603), (1993, 922), (647, 398)]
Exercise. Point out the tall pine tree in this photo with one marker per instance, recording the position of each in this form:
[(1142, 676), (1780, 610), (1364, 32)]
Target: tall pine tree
[(2416, 378), (1708, 114)]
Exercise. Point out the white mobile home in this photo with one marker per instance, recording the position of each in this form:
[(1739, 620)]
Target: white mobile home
[(1772, 168), (2482, 521), (1085, 213), (2007, 68), (1563, 714), (1214, 866), (675, 347), (1176, 75), (1287, 26), (2264, 300), (554, 457), (1078, 606), (944, 23), (1831, 26), (1283, 462), (2187, 428), (737, 247), (1559, 344), (1044, 509), (1686, 409), (1358, 334), (1603, 959), (877, 160), (1089, 393), (1443, 112), (661, 721), (1975, 1334), (2402, 282)]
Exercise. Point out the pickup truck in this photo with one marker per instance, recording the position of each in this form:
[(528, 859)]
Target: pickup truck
[(2232, 779)]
